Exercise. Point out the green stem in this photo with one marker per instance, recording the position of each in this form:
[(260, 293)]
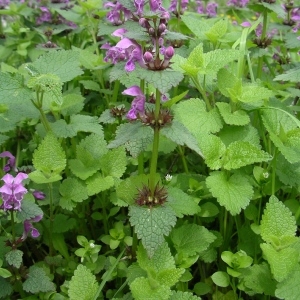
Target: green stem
[(274, 171), (51, 249), (263, 35), (202, 92), (13, 232), (115, 91), (154, 156), (141, 163), (182, 156)]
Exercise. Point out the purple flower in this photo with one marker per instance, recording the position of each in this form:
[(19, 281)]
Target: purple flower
[(12, 191), (118, 14), (200, 7), (45, 16), (270, 34), (237, 3), (156, 6), (125, 50), (11, 163), (4, 3), (38, 195), (29, 229), (211, 9), (138, 103), (139, 4)]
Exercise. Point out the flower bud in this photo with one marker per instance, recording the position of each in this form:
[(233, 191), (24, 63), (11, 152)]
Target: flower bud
[(144, 23), (161, 28), (148, 57), (169, 52), (151, 31)]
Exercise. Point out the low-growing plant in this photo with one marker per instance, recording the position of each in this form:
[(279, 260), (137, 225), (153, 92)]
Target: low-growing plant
[(150, 150)]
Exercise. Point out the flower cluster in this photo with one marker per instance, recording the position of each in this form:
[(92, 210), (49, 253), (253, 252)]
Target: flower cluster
[(210, 10), (178, 7), (12, 191), (130, 51), (46, 16), (4, 3), (237, 3), (138, 103), (146, 198)]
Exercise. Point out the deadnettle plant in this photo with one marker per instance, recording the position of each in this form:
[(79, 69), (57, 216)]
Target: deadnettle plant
[(238, 3), (210, 9), (12, 191)]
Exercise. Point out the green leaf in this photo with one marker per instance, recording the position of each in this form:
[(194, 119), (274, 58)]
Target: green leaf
[(288, 173), (37, 281), (179, 295), (161, 80), (289, 288), (220, 279), (238, 117), (282, 127), (252, 92), (88, 155), (151, 224), (4, 273), (5, 288), (196, 24), (282, 262), (135, 136), (14, 258), (234, 192), (240, 154), (28, 210), (191, 239), (141, 290), (213, 150), (16, 99), (217, 31), (193, 115), (48, 83), (230, 134), (161, 266), (277, 221), (63, 63), (77, 123), (90, 85), (292, 75), (180, 135), (257, 279), (98, 183), (72, 191), (72, 104), (49, 157), (86, 124), (83, 285), (182, 203), (63, 223), (229, 85), (210, 62), (114, 162)]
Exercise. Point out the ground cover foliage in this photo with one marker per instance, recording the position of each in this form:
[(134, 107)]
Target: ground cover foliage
[(149, 150)]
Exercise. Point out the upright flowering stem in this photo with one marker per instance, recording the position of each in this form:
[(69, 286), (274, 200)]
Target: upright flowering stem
[(51, 249), (12, 219), (141, 155), (263, 35), (154, 155)]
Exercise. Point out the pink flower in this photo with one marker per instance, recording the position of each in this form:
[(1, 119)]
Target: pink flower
[(11, 163), (12, 191), (28, 227), (138, 103)]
